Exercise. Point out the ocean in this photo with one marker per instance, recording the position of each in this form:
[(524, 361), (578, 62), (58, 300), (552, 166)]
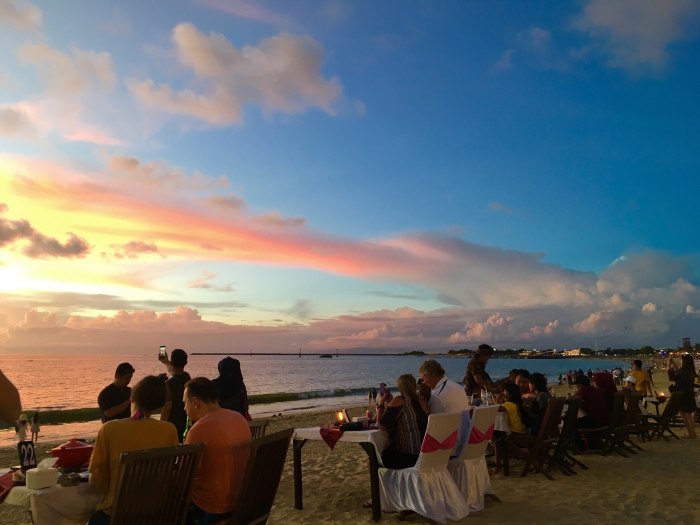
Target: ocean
[(64, 388)]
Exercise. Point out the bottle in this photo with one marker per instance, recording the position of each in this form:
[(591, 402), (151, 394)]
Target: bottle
[(188, 425)]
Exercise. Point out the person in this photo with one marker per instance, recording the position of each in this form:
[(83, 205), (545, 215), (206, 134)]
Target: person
[(115, 399), (405, 417), (685, 382), (35, 427), (522, 379), (137, 432), (446, 396), (641, 379), (594, 403), (606, 382), (650, 373), (476, 378), (10, 403), (219, 477), (538, 386), (230, 387), (21, 428), (174, 410), (511, 403)]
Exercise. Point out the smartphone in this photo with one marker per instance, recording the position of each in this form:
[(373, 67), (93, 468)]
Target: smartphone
[(162, 352)]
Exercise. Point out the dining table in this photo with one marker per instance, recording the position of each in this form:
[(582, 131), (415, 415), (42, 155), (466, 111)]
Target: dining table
[(372, 441), (56, 505)]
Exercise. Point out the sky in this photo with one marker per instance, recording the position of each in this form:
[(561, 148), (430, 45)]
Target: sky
[(269, 176)]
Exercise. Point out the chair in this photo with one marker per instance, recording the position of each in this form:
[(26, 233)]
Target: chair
[(261, 479), (469, 470), (631, 424), (536, 449), (154, 485), (427, 488), (659, 426), (561, 456), (258, 427), (606, 434)]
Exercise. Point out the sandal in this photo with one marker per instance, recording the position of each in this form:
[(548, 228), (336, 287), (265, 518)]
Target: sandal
[(367, 504)]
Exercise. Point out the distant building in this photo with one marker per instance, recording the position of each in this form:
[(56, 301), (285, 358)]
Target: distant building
[(572, 352)]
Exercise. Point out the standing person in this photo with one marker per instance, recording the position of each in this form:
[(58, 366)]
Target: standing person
[(174, 409), (35, 427), (641, 379), (476, 378), (446, 396), (219, 478), (230, 387), (21, 428), (124, 435), (685, 382), (10, 404), (115, 399)]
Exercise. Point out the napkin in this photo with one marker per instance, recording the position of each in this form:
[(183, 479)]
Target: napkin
[(6, 484), (331, 435)]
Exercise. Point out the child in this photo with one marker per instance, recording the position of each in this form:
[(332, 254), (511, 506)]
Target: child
[(21, 428), (512, 404), (35, 427)]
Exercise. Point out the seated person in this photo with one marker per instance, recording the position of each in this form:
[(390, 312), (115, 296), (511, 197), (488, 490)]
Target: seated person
[(123, 435), (605, 381), (220, 475), (594, 403), (511, 403), (526, 394), (405, 417), (538, 386)]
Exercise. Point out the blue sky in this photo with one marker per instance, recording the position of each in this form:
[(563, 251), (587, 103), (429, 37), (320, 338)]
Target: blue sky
[(394, 175)]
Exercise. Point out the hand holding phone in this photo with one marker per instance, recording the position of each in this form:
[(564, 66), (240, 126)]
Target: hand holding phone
[(162, 353)]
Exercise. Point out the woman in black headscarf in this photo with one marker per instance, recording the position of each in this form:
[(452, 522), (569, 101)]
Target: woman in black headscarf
[(231, 388)]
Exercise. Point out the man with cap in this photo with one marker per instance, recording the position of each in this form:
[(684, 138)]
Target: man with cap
[(115, 399), (477, 379)]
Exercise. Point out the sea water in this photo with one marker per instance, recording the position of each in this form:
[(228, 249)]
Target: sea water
[(64, 388)]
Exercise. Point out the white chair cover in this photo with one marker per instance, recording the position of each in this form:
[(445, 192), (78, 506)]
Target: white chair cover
[(427, 488), (470, 471)]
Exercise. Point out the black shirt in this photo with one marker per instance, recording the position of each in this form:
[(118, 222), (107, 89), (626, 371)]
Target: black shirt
[(176, 387), (112, 396)]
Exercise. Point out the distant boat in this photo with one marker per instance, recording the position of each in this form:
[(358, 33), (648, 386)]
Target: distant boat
[(326, 356)]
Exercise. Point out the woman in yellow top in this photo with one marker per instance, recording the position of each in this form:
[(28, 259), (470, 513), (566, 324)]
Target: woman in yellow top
[(512, 405), (124, 435)]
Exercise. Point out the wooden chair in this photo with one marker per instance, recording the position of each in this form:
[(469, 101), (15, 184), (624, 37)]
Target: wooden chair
[(566, 442), (258, 427), (262, 478), (536, 449), (606, 435), (631, 424), (659, 426), (154, 485)]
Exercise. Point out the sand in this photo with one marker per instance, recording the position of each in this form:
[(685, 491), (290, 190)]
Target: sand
[(656, 486)]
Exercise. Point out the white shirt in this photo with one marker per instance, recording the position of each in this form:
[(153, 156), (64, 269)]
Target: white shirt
[(448, 396)]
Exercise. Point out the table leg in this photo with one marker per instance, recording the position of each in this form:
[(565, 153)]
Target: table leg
[(297, 444), (373, 480)]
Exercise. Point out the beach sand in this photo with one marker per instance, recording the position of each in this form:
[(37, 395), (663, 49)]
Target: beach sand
[(657, 486)]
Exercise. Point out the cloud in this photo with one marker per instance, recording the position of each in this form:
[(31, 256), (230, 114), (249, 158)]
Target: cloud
[(636, 34), (500, 208), (205, 283), (281, 75), (301, 309), (276, 220), (162, 175), (69, 74), (20, 14), (39, 245), (250, 11), (15, 122), (134, 249), (504, 63)]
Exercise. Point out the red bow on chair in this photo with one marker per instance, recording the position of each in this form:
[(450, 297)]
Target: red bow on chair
[(430, 444), (477, 437)]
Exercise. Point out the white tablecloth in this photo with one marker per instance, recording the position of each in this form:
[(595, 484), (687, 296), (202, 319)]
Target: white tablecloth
[(57, 505), (378, 438)]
